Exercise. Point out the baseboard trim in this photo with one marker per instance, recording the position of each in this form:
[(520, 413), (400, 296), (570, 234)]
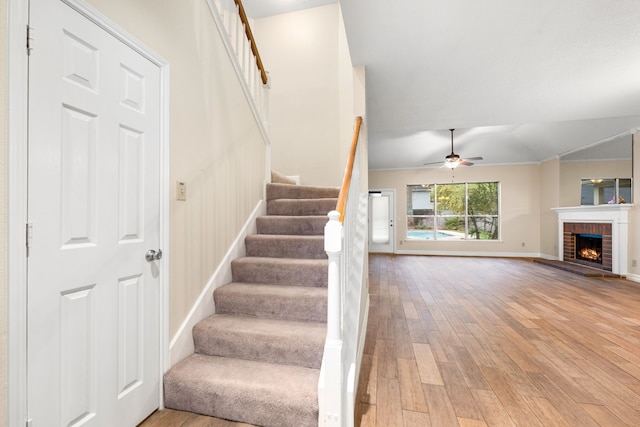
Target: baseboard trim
[(474, 254), (181, 345), (633, 277)]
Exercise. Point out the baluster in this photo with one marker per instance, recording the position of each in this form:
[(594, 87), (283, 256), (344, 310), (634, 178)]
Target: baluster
[(242, 58), (236, 36), (258, 99), (238, 28), (219, 6), (257, 82), (265, 105), (226, 19), (248, 59)]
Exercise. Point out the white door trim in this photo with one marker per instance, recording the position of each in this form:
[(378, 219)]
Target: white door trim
[(18, 17), (17, 196)]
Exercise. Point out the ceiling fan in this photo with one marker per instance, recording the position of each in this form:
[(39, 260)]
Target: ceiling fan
[(453, 160)]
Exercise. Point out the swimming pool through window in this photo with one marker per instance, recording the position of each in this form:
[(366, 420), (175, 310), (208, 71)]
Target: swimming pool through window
[(460, 211)]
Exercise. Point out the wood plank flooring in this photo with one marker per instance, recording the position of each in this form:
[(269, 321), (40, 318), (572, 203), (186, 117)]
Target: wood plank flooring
[(474, 342), (171, 418), (477, 342)]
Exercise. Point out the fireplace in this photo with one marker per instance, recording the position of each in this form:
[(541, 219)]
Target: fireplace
[(588, 248), (610, 223), (588, 244)]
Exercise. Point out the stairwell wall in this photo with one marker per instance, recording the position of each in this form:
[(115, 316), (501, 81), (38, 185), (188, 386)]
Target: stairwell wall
[(216, 147), (314, 98)]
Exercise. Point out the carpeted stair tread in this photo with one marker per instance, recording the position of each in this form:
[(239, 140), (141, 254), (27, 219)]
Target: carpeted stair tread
[(263, 340), (284, 191), (247, 391), (280, 271), (292, 225), (281, 246), (299, 303), (299, 207)]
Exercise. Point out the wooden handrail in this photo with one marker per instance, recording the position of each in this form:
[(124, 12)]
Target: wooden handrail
[(252, 41), (346, 180)]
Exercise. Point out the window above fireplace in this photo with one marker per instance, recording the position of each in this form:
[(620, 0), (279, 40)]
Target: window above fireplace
[(605, 191)]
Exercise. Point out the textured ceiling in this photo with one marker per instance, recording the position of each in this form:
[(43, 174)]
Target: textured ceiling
[(521, 81)]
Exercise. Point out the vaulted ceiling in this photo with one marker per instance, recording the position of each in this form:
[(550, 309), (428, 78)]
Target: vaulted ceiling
[(520, 81)]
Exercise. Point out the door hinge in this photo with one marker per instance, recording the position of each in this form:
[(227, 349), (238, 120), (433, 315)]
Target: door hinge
[(29, 39), (28, 235)]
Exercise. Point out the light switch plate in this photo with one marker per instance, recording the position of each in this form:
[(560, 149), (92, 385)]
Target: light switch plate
[(181, 191)]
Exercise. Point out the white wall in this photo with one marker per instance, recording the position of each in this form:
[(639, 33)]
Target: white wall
[(549, 198), (571, 174), (3, 212), (520, 208), (312, 92)]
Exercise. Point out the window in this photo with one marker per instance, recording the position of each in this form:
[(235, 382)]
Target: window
[(601, 191), (468, 211)]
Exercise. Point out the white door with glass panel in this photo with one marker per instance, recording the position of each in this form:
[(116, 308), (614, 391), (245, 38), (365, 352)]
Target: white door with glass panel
[(381, 219), (94, 215)]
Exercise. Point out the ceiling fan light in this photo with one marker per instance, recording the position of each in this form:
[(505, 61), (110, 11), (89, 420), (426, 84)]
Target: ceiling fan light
[(452, 164)]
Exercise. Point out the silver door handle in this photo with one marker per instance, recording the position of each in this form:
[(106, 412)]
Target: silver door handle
[(152, 255)]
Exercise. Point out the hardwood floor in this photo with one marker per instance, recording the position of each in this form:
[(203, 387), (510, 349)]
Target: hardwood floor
[(171, 418), (475, 342)]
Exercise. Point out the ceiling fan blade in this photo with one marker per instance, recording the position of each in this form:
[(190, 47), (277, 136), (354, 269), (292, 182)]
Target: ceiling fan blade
[(433, 163), (465, 163), (473, 158)]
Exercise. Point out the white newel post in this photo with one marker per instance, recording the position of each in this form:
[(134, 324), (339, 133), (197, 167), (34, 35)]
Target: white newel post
[(330, 389)]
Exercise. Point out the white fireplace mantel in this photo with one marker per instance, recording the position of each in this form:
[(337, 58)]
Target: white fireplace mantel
[(616, 215)]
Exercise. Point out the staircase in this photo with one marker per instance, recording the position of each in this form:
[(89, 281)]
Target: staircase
[(257, 360)]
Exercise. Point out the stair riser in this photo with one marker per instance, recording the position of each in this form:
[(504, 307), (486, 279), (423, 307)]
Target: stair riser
[(286, 247), (309, 309), (283, 191), (306, 225), (204, 386), (253, 270), (301, 207), (218, 404), (305, 352)]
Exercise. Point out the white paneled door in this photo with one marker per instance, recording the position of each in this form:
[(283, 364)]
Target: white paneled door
[(94, 162)]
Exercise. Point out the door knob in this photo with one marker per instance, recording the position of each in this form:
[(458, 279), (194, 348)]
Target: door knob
[(152, 255)]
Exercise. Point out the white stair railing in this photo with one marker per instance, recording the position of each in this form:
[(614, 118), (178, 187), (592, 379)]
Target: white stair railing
[(345, 235), (233, 26)]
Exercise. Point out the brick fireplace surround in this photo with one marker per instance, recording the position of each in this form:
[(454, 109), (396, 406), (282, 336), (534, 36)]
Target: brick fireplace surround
[(610, 221)]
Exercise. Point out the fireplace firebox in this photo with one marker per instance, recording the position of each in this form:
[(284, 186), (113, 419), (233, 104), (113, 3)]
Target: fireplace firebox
[(588, 244), (588, 247)]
